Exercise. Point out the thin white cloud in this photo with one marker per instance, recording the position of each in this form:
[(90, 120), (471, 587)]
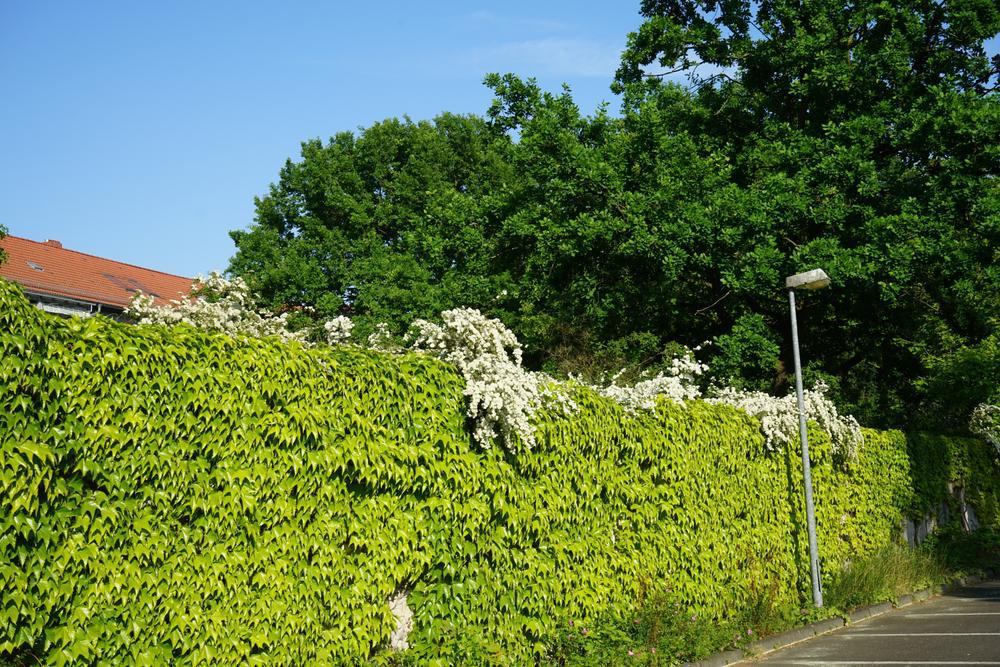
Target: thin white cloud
[(521, 23), (552, 56)]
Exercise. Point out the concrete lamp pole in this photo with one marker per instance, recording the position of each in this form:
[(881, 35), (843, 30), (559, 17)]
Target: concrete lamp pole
[(815, 279)]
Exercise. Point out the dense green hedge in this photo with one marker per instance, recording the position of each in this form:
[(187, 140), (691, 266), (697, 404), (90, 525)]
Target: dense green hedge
[(172, 495)]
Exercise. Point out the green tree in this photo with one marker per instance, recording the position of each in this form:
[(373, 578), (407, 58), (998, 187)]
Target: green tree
[(862, 137), (385, 225), (957, 380), (606, 230)]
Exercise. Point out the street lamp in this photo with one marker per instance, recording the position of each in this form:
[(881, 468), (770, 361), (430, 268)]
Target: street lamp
[(815, 279)]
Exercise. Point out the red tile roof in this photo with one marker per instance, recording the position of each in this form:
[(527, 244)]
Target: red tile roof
[(48, 268)]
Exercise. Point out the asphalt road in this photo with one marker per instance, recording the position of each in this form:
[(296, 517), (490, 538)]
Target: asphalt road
[(960, 628)]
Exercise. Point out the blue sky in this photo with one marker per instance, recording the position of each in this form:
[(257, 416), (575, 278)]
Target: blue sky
[(142, 131)]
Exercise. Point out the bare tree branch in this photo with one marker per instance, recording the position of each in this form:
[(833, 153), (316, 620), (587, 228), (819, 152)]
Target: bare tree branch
[(713, 304), (676, 70)]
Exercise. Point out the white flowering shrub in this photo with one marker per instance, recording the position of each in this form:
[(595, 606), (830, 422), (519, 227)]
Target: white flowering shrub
[(215, 304), (985, 422), (678, 383), (502, 395), (338, 330), (779, 417)]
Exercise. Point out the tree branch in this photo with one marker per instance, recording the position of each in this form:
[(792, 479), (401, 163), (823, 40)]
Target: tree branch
[(713, 304), (676, 70)]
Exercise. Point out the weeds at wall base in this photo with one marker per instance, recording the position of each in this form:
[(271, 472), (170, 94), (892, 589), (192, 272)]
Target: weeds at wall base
[(662, 633)]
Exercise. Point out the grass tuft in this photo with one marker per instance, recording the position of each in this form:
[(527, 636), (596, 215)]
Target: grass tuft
[(884, 577)]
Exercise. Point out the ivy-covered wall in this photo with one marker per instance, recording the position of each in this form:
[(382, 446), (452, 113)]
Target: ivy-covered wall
[(172, 495)]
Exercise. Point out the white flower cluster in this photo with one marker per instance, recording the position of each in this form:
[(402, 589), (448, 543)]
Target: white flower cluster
[(382, 340), (779, 417), (502, 395), (678, 383), (985, 422), (338, 330), (216, 304)]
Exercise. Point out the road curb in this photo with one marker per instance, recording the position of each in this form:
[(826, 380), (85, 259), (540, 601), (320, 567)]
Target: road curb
[(874, 610), (719, 659), (796, 635)]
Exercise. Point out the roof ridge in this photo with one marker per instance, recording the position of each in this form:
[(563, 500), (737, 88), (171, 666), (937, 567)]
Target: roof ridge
[(87, 254)]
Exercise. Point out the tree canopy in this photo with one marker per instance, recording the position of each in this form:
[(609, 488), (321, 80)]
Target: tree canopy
[(869, 133), (861, 138)]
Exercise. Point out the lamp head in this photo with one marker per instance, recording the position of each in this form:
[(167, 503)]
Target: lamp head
[(815, 279)]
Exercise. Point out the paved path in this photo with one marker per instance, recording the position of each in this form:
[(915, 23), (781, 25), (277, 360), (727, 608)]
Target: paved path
[(960, 628)]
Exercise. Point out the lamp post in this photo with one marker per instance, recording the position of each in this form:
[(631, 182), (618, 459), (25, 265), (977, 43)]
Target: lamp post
[(815, 279)]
